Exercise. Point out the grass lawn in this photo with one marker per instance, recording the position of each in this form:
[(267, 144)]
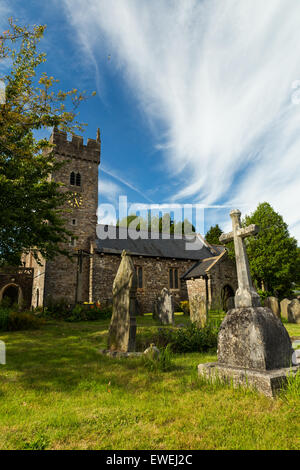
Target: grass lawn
[(58, 392)]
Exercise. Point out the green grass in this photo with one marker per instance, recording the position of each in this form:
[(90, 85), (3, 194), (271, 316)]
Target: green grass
[(293, 329), (58, 392)]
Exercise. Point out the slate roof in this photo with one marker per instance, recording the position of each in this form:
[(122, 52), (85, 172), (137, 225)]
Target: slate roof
[(201, 267), (121, 238)]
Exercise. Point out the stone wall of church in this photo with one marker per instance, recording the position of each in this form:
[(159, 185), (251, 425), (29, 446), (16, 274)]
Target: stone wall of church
[(21, 279), (38, 283), (221, 274), (155, 277)]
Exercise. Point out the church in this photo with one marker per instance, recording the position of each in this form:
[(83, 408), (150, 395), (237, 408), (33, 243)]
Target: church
[(89, 275)]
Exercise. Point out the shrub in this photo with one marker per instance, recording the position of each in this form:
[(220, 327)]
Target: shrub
[(12, 320), (23, 321), (4, 314), (185, 307), (61, 310), (58, 309), (89, 313), (106, 312), (192, 339), (180, 340), (162, 363), (263, 295)]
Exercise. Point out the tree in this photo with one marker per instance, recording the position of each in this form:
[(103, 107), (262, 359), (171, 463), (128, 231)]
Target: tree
[(161, 224), (30, 216), (273, 253), (213, 235)]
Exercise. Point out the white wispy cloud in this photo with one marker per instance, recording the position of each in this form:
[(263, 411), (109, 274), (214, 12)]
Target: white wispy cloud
[(216, 76), (5, 13), (124, 182), (109, 190)]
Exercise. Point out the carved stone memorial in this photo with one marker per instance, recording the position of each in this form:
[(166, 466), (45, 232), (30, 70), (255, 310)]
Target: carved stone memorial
[(254, 348)]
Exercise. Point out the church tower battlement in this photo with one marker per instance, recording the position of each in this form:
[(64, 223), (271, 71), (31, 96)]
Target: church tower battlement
[(75, 148)]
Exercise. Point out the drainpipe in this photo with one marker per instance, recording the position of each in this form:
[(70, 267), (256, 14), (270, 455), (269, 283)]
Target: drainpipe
[(206, 295)]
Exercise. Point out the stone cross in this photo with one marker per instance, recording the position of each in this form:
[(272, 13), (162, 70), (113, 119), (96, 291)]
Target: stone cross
[(245, 296)]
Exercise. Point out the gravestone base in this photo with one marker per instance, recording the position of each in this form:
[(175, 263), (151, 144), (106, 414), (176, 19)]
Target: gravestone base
[(268, 382), (253, 338), (254, 349), (120, 354)]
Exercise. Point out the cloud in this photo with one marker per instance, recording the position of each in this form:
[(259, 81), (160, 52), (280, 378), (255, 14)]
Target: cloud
[(109, 190), (5, 13), (215, 78), (125, 182)]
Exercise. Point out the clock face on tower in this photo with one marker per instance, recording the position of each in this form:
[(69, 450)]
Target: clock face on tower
[(75, 200)]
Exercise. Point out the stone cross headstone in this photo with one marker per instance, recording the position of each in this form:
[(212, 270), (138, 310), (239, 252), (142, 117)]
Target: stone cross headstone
[(245, 296), (163, 308), (122, 329), (254, 348)]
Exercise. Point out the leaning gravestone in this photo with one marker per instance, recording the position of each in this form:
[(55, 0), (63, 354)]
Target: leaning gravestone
[(122, 329), (254, 348), (198, 310), (294, 311), (273, 304), (284, 308), (163, 308)]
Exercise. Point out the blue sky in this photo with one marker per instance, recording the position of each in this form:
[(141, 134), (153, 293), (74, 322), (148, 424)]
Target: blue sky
[(197, 101)]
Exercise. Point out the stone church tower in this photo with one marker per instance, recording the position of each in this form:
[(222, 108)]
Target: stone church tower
[(61, 278)]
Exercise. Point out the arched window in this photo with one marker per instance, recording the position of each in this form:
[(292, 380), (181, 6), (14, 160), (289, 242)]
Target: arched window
[(72, 179), (227, 297), (11, 294), (78, 179), (173, 278)]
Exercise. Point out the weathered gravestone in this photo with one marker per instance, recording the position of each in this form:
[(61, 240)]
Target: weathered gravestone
[(294, 311), (284, 308), (122, 330), (152, 352), (163, 308), (254, 348), (2, 353), (273, 304), (198, 310)]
